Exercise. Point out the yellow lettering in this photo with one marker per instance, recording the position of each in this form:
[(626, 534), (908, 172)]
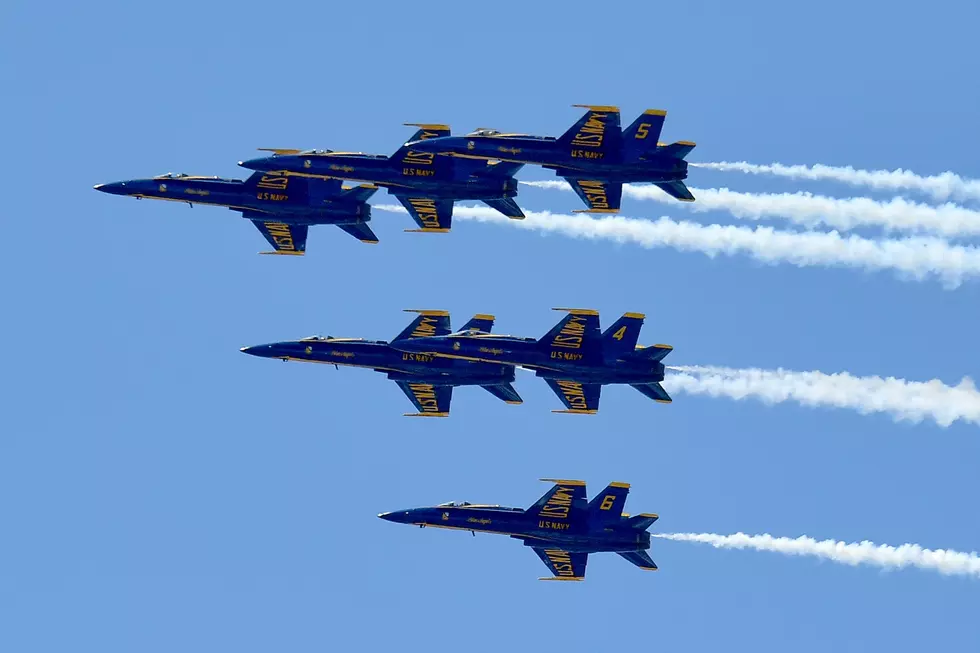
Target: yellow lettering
[(642, 130), (281, 236), (426, 210), (607, 502), (620, 333), (274, 182), (425, 395), (418, 158)]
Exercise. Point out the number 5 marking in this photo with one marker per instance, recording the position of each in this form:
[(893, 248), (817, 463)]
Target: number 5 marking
[(641, 131)]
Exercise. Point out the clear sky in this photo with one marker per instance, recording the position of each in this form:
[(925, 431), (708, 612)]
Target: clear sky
[(160, 491)]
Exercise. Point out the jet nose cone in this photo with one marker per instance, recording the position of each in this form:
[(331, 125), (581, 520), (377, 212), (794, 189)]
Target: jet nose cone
[(117, 188), (263, 164), (263, 351), (398, 516)]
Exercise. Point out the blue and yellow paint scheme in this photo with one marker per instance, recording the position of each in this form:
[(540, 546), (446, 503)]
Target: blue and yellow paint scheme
[(427, 381), (594, 156), (426, 185), (282, 208), (562, 527), (574, 357)]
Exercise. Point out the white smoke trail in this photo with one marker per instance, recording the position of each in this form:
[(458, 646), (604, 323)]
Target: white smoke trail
[(945, 561), (904, 400), (941, 187), (915, 257), (811, 210)]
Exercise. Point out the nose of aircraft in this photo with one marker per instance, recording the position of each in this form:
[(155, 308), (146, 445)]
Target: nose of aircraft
[(398, 516), (117, 188), (263, 351), (262, 164)]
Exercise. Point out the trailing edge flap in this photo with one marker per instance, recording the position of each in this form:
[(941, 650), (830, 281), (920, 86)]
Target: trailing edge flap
[(284, 238), (564, 565), (600, 196), (579, 398), (504, 392), (429, 214), (507, 206), (430, 400), (640, 559), (361, 231), (654, 391)]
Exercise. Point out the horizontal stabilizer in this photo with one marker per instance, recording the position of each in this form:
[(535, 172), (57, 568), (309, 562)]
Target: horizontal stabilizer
[(676, 189), (640, 559), (505, 392), (359, 193), (642, 522), (677, 150), (654, 391), (653, 352), (507, 206), (361, 231)]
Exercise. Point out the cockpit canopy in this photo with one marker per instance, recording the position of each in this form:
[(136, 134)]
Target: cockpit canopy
[(184, 175), (315, 152), (173, 175), (483, 131), (470, 332), (316, 338), (454, 504)]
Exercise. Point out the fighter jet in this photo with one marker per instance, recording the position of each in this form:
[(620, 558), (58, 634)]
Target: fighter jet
[(427, 381), (561, 527), (593, 156), (573, 357), (426, 185), (283, 209)]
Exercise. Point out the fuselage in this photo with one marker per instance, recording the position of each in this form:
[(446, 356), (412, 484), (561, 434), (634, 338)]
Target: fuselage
[(517, 523), (426, 174), (379, 355), (300, 203), (567, 160), (548, 360)]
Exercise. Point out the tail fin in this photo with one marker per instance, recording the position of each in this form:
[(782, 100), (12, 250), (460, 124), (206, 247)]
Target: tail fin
[(620, 339), (507, 206), (642, 521), (405, 155), (640, 559), (577, 334), (643, 134), (607, 506), (505, 392), (677, 150), (428, 323), (359, 193), (676, 189), (596, 134), (480, 322), (564, 503)]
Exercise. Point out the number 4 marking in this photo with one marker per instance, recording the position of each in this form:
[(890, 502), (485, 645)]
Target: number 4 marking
[(619, 334)]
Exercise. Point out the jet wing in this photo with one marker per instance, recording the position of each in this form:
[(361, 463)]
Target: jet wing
[(563, 564), (284, 238), (431, 215), (579, 398), (430, 400), (504, 392), (600, 196)]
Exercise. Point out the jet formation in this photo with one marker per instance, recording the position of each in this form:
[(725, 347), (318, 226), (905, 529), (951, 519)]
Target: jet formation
[(427, 360), (293, 189), (562, 527)]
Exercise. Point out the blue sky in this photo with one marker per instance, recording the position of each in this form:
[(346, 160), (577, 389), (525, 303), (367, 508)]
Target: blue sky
[(158, 489)]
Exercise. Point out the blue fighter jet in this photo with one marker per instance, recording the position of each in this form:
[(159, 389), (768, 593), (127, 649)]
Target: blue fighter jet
[(283, 209), (594, 156), (426, 185), (574, 358), (427, 381), (561, 527)]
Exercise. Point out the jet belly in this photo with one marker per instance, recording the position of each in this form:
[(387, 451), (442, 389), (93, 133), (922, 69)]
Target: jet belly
[(502, 522), (603, 375)]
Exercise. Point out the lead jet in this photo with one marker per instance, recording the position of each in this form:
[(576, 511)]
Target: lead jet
[(561, 527), (426, 185), (574, 358), (594, 156), (283, 209), (427, 381)]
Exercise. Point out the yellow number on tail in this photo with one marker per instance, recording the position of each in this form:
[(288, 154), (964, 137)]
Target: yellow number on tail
[(619, 334), (641, 131), (607, 502)]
